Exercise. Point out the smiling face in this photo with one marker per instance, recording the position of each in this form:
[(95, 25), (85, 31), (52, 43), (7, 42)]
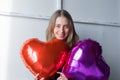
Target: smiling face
[(62, 28)]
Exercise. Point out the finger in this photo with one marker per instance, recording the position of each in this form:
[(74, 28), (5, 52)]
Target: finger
[(36, 76), (42, 79), (61, 74), (59, 78)]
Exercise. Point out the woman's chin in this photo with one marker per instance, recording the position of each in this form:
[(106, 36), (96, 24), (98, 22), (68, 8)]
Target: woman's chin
[(60, 38)]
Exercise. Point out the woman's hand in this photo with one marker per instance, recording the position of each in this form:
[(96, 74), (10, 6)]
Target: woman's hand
[(62, 76), (37, 78)]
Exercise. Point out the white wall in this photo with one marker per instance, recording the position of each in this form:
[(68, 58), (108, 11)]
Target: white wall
[(119, 8), (15, 30)]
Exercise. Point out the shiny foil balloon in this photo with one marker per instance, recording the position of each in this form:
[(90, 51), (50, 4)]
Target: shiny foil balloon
[(45, 58), (86, 62)]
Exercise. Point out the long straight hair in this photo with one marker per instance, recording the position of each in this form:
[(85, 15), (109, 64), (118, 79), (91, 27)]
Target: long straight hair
[(72, 36)]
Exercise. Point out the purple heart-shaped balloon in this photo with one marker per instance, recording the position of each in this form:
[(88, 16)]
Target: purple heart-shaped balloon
[(85, 62)]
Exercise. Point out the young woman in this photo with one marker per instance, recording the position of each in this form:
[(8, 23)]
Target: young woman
[(61, 26)]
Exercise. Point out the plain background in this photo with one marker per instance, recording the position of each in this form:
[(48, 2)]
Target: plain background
[(24, 19)]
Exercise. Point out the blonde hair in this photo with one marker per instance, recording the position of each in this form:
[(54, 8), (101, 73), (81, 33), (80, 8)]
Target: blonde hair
[(72, 36)]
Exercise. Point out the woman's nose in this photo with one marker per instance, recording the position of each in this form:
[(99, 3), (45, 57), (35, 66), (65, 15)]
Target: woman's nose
[(62, 29)]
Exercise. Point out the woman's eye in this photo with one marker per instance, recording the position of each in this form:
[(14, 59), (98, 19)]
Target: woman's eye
[(66, 26), (57, 26)]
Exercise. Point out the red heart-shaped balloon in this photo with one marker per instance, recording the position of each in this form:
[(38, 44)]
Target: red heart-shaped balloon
[(45, 58)]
